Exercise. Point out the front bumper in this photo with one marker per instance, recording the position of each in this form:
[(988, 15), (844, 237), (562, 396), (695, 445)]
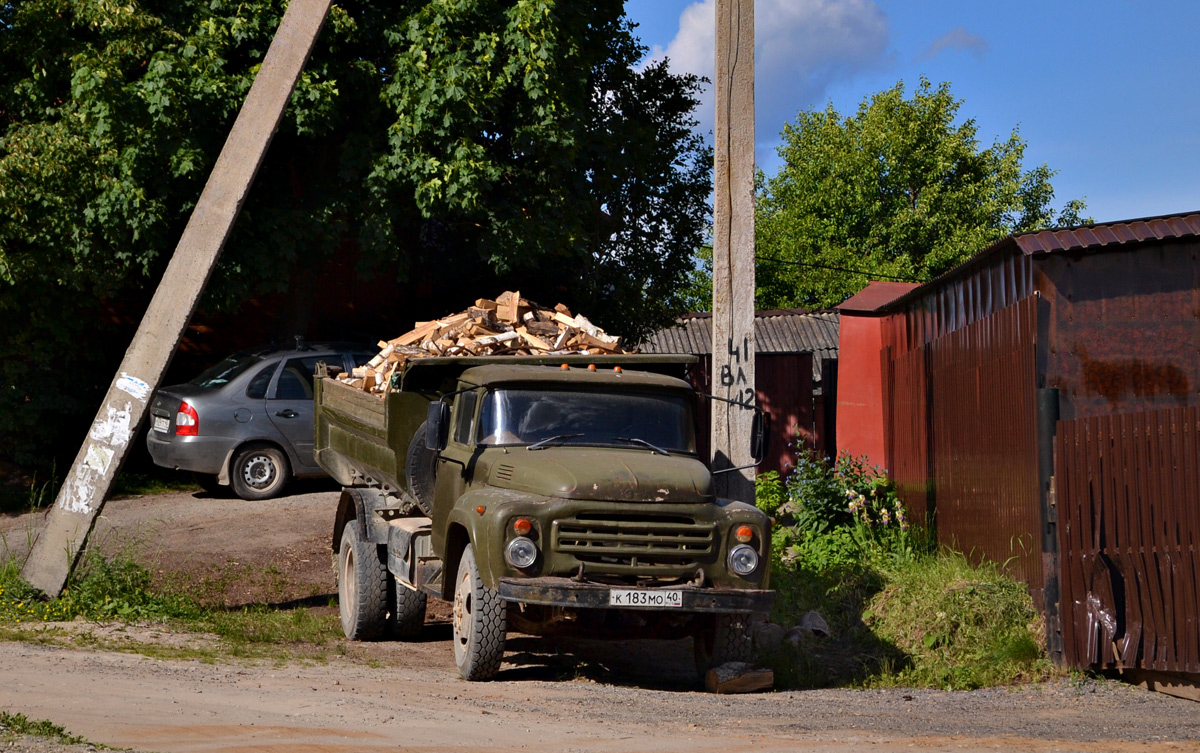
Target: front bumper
[(564, 592)]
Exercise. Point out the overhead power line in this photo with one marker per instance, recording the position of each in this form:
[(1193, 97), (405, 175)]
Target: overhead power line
[(809, 265)]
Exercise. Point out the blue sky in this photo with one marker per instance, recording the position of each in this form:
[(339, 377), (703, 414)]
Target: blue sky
[(1105, 92)]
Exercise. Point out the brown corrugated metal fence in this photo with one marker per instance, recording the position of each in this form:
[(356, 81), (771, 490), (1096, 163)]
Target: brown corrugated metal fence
[(906, 384), (964, 417), (1128, 493)]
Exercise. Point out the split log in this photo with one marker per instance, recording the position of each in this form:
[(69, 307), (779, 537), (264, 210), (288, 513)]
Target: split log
[(738, 677)]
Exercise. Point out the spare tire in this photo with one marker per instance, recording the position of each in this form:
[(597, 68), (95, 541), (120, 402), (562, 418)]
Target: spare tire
[(421, 467)]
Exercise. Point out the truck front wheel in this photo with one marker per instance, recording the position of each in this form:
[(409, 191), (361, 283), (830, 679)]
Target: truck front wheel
[(479, 623), (363, 584), (722, 638)]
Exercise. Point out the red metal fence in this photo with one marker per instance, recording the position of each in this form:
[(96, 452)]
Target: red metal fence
[(1128, 494)]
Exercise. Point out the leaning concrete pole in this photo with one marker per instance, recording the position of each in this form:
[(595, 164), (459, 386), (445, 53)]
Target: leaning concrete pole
[(91, 477), (733, 248)]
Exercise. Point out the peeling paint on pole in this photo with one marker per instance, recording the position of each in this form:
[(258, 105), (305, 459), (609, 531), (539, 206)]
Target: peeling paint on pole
[(70, 520)]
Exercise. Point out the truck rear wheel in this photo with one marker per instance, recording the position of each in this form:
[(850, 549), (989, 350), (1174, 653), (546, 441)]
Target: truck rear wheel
[(420, 464), (479, 623), (720, 639), (409, 615), (363, 584)]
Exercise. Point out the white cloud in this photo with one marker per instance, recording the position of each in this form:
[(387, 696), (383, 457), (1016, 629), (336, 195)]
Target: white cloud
[(956, 39), (801, 48)]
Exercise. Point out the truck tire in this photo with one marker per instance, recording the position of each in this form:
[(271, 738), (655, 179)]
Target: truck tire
[(409, 614), (720, 639), (259, 472), (363, 585), (421, 467), (479, 623)]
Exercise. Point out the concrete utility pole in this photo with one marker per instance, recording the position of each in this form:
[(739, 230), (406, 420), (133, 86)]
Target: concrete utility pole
[(733, 249), (91, 477)]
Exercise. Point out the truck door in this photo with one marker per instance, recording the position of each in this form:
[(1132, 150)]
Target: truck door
[(452, 478)]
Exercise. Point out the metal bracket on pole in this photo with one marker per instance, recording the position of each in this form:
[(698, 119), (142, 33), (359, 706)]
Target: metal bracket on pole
[(733, 249), (70, 521)]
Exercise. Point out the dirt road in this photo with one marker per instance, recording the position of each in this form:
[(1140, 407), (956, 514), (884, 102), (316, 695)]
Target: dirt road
[(568, 696)]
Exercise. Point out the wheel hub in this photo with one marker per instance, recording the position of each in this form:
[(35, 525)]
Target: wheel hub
[(259, 471)]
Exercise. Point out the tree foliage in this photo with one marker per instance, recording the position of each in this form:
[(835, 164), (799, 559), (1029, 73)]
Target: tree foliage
[(459, 144), (898, 190)]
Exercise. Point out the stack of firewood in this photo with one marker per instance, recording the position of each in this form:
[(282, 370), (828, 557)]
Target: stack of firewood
[(508, 325)]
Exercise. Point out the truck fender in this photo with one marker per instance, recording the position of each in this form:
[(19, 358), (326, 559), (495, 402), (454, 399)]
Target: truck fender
[(359, 505), (466, 524)]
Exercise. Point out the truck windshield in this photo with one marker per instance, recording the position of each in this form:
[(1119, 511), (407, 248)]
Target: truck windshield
[(525, 417)]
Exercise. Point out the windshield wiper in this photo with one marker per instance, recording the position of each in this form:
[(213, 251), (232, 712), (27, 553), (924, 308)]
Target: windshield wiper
[(643, 443), (550, 440)]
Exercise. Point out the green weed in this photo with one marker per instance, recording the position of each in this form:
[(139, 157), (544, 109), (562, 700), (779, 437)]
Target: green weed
[(19, 724), (900, 611)]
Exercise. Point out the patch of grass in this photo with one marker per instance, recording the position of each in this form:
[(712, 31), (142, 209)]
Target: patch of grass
[(19, 724), (16, 497), (129, 484), (957, 625), (900, 612), (122, 592)]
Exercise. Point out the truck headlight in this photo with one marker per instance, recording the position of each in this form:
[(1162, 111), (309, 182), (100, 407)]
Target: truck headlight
[(521, 553), (743, 560)]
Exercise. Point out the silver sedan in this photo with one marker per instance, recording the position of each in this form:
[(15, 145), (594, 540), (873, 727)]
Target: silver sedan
[(248, 421)]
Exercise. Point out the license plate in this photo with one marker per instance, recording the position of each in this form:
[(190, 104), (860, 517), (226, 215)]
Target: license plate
[(629, 597), (162, 424)]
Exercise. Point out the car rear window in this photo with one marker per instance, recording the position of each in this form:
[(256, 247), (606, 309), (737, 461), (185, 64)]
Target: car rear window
[(226, 371)]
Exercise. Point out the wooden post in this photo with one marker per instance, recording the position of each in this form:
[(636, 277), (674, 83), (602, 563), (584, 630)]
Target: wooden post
[(91, 477), (733, 248)]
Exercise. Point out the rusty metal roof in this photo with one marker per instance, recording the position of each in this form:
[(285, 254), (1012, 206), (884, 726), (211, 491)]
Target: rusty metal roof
[(875, 295), (786, 331), (1115, 233), (1099, 237)]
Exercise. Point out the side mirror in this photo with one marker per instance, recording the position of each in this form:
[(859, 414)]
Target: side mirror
[(760, 436), (437, 426)]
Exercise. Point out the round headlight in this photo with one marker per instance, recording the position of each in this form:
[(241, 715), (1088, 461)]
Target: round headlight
[(521, 553), (743, 560)]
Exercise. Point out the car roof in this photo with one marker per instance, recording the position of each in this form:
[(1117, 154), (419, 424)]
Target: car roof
[(313, 347)]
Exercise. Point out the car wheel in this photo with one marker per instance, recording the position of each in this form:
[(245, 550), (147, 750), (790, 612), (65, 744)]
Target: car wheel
[(720, 639), (363, 582), (479, 623), (260, 472)]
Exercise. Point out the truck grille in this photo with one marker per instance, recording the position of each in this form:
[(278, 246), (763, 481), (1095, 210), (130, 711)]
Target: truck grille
[(631, 544)]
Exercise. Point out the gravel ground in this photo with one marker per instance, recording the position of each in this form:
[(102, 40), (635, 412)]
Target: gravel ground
[(550, 696)]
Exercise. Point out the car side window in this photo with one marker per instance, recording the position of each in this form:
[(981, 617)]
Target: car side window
[(257, 389), (296, 379), (464, 419)]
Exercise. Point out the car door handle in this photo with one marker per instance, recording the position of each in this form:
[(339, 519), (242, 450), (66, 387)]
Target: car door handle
[(289, 413)]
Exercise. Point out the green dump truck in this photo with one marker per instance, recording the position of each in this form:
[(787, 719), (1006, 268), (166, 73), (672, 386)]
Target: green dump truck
[(538, 495)]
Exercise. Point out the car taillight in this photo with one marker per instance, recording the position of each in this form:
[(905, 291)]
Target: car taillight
[(187, 423)]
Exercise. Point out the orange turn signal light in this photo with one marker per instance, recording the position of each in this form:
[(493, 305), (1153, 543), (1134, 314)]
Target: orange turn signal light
[(481, 509), (744, 534), (522, 526)]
